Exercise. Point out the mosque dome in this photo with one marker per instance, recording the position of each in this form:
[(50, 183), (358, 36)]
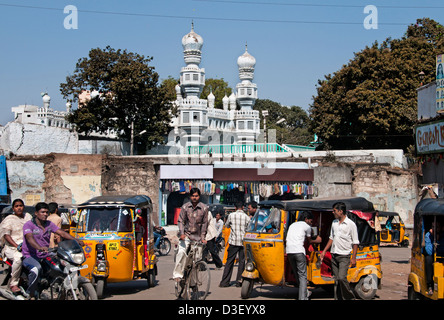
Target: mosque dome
[(246, 60), (192, 41)]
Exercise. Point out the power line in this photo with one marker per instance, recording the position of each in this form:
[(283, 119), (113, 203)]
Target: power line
[(202, 18), (314, 5)]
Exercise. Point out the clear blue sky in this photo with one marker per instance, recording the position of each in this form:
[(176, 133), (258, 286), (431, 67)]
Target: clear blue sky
[(295, 42)]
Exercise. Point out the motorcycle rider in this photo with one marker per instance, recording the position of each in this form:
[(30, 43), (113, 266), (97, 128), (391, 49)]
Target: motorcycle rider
[(11, 235), (37, 234)]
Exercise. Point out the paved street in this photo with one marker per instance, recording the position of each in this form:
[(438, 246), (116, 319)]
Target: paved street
[(395, 266)]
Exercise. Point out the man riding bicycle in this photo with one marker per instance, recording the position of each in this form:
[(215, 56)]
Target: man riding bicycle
[(193, 224)]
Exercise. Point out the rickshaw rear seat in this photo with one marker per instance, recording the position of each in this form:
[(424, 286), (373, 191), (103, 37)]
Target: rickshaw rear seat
[(326, 265)]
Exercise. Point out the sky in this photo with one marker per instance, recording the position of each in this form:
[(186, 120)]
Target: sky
[(295, 42)]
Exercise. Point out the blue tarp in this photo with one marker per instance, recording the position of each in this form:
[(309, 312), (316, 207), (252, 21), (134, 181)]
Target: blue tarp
[(3, 177)]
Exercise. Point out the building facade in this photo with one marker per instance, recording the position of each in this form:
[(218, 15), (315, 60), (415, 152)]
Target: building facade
[(198, 121)]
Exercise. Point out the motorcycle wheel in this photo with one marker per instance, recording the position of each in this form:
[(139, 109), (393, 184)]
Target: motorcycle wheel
[(87, 291), (164, 246)]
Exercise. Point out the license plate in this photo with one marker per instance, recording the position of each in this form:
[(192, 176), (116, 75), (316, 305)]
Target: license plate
[(74, 269)]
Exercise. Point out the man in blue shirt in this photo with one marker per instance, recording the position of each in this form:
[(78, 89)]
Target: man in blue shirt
[(428, 252)]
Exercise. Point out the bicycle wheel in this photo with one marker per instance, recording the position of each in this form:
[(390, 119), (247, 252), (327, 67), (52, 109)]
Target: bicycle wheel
[(164, 246), (198, 282)]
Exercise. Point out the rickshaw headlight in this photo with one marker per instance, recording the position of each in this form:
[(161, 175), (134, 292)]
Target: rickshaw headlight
[(249, 266), (101, 266)]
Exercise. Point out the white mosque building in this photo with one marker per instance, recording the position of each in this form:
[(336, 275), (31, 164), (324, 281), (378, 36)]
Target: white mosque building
[(237, 123)]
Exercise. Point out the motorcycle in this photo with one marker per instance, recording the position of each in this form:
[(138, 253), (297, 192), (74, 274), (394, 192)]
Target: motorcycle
[(164, 242), (60, 278)]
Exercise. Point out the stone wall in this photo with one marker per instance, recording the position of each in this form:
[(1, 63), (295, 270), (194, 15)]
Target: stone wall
[(72, 179), (389, 189)]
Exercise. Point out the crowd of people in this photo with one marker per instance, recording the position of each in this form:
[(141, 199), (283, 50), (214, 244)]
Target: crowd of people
[(196, 223)]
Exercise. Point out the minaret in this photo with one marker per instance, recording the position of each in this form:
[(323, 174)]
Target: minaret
[(246, 90), (192, 78), (247, 119), (192, 110)]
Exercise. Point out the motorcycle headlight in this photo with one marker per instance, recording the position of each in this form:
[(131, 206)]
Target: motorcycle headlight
[(78, 258)]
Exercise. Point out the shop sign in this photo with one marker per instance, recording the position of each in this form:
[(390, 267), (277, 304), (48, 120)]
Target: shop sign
[(430, 138)]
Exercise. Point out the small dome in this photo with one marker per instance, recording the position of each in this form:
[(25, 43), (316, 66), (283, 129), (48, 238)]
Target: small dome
[(232, 97), (211, 96), (246, 60), (45, 97), (192, 41)]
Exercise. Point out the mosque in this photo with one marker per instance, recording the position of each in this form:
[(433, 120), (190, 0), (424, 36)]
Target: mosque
[(198, 121)]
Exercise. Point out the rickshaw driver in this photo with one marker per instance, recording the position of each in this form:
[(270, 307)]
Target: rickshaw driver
[(193, 224)]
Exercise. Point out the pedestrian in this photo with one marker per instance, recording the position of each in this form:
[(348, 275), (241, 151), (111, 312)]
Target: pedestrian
[(298, 234), (252, 208), (238, 222), (55, 218), (211, 241), (343, 239), (429, 252), (193, 224), (219, 227), (11, 237)]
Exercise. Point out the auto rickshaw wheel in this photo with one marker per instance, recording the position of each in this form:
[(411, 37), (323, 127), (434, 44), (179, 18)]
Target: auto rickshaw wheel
[(151, 278), (247, 288), (100, 285), (366, 287), (412, 294)]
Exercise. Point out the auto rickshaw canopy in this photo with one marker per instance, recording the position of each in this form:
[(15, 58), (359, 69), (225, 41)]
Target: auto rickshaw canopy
[(388, 214), (321, 204), (430, 207), (127, 200)]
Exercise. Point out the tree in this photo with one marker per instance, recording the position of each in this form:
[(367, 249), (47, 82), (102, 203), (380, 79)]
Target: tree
[(129, 95), (294, 130), (371, 101), (219, 87)]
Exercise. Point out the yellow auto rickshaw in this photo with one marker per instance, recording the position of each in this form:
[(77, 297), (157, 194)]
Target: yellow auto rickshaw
[(392, 229), (428, 215), (118, 236), (264, 243)]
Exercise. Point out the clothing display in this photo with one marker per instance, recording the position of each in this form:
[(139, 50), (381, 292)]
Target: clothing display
[(228, 189)]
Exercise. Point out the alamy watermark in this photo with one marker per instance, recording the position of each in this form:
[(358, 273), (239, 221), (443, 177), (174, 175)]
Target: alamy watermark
[(206, 146), (371, 20), (71, 21)]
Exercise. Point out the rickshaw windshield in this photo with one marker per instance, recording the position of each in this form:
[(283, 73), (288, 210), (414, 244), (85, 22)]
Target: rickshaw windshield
[(105, 219), (265, 220)]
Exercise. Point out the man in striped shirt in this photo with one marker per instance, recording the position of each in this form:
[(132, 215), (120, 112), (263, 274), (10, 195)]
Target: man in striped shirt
[(238, 222)]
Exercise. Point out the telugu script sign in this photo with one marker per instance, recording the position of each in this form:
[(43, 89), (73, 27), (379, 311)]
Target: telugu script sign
[(430, 138)]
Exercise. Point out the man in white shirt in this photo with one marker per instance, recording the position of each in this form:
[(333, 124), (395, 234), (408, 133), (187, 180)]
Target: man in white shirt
[(297, 234), (238, 222), (343, 239)]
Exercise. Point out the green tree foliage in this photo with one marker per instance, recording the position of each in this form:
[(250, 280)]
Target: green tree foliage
[(294, 130), (219, 87), (129, 93), (372, 102)]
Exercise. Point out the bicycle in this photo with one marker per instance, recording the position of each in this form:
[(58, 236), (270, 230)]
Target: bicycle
[(196, 280)]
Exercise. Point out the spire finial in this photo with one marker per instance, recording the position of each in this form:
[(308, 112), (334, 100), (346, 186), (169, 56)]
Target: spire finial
[(246, 46), (192, 25)]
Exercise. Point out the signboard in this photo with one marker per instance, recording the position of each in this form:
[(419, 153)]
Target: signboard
[(430, 138), (440, 83)]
